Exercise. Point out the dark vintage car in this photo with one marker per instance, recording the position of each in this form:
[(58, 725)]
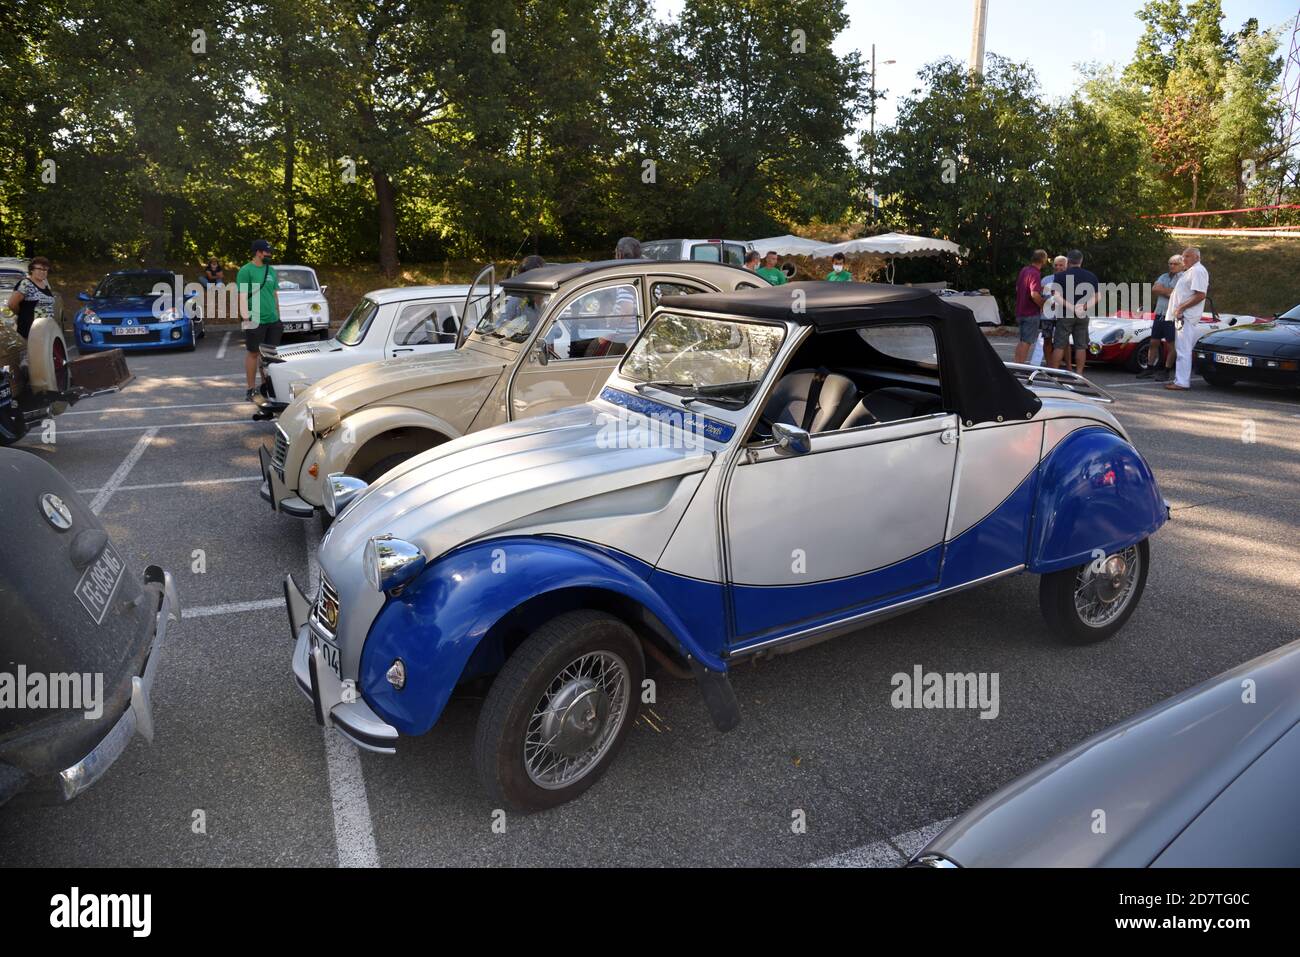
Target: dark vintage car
[(1208, 778), (80, 642), (1265, 352)]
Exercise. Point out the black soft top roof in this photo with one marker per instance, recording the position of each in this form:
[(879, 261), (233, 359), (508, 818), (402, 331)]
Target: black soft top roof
[(977, 384)]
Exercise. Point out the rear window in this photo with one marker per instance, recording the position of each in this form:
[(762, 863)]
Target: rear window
[(912, 343)]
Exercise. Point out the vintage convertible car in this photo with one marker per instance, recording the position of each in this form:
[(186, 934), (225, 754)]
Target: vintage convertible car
[(763, 470), (550, 340), (1267, 353), (385, 324), (1207, 778), (82, 639), (1124, 339)]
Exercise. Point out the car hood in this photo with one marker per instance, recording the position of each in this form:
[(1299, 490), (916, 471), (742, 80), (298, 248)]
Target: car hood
[(496, 479), (119, 307), (370, 382), (1260, 338), (1151, 774), (294, 297)]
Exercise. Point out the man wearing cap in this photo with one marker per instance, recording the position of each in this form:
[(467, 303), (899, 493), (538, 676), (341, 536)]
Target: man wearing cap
[(259, 309)]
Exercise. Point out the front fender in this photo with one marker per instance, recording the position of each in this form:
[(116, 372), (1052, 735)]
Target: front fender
[(1095, 492), (438, 621)]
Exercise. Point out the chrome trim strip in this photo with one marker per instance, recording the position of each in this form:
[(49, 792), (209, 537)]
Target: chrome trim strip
[(867, 616)]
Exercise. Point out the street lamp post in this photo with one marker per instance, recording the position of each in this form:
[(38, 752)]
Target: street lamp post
[(871, 161)]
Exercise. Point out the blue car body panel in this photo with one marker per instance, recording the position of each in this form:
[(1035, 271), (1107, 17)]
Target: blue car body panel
[(1096, 492)]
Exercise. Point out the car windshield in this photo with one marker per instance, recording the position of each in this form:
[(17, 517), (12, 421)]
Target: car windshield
[(136, 284), (292, 280), (1292, 315), (715, 361), (358, 321), (512, 318)]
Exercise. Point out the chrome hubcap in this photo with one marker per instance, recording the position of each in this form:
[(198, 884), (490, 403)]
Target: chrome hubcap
[(576, 720), (1104, 588)]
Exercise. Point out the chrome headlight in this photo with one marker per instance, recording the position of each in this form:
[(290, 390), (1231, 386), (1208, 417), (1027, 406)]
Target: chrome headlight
[(340, 490), (322, 418), (89, 315), (390, 563), (315, 307)]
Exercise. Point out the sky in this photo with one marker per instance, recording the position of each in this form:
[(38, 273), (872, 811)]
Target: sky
[(920, 31)]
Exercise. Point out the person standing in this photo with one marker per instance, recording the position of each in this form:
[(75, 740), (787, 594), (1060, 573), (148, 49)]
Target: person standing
[(751, 261), (1029, 303), (769, 271), (1052, 301), (260, 310), (628, 248), (1186, 306), (1160, 351), (1081, 289), (32, 292), (838, 273)]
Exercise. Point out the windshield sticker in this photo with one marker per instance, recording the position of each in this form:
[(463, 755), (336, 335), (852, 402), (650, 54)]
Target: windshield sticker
[(710, 429)]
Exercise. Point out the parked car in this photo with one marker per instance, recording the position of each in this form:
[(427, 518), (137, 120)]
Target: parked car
[(550, 340), (303, 307), (697, 250), (12, 272), (1266, 352), (762, 471), (1207, 778), (126, 312), (385, 324), (1125, 339), (83, 624)]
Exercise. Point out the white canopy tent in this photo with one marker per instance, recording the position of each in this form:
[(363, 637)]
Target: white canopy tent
[(893, 245), (786, 245)]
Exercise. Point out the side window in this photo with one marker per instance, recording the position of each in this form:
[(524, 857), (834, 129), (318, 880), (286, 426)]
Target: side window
[(426, 323), (733, 254), (602, 322), (706, 252), (661, 289), (912, 343)]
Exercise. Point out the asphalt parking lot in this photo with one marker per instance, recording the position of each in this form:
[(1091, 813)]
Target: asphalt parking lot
[(240, 774)]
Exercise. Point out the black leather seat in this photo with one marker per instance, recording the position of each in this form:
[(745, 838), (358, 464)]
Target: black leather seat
[(891, 404), (789, 402)]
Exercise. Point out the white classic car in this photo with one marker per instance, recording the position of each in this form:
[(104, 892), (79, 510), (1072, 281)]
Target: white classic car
[(302, 301), (1123, 339), (763, 470), (385, 324)]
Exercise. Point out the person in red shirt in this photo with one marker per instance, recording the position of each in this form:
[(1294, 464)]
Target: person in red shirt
[(1029, 303)]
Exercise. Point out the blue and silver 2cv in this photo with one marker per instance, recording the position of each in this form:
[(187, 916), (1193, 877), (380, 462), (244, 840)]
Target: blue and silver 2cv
[(764, 469)]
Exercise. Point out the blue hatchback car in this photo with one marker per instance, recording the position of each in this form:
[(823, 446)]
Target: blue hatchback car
[(125, 312)]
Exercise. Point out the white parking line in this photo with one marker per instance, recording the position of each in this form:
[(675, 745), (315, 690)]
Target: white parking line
[(117, 478), (894, 852), (232, 608), (221, 349), (192, 483), (153, 408), (354, 833), (155, 428)]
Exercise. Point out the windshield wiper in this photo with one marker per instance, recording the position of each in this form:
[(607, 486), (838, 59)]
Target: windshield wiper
[(722, 401), (664, 384)]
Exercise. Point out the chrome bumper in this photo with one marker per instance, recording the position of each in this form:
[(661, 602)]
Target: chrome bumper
[(274, 491), (139, 716), (334, 706)]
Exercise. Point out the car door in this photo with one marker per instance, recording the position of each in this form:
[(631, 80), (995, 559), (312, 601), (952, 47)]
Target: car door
[(424, 325), (855, 522)]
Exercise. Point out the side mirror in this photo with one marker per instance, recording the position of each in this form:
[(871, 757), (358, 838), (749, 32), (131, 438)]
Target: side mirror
[(324, 289), (542, 354), (791, 440), (84, 296)]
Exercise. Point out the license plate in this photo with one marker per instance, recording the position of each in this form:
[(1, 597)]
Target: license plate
[(1231, 360), (131, 331), (296, 326), (330, 653), (99, 582)]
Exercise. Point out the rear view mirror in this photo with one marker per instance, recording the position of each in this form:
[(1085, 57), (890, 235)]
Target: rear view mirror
[(791, 439)]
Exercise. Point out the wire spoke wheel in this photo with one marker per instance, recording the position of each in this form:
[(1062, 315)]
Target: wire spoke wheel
[(1104, 588), (576, 720)]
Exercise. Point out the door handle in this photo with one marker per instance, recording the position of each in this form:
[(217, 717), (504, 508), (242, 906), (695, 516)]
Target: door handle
[(396, 351), (948, 436)]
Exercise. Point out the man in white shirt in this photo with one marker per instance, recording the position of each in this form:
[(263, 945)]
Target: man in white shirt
[(1186, 306)]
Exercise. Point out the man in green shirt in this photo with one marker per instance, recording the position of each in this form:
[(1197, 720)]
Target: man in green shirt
[(769, 271), (838, 273), (259, 309)]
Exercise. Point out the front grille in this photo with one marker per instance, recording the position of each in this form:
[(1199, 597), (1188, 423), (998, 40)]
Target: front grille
[(280, 452), (325, 612)]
